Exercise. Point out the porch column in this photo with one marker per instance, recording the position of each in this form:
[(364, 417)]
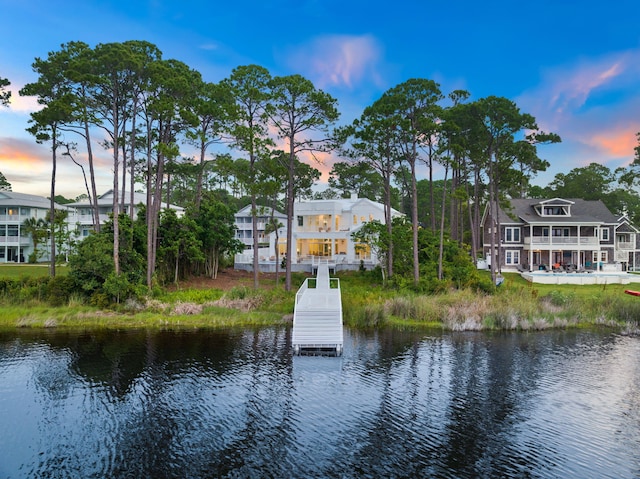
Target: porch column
[(597, 235), (530, 248), (579, 247), (550, 250)]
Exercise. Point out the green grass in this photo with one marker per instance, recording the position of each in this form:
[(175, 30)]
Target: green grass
[(516, 305), (17, 271)]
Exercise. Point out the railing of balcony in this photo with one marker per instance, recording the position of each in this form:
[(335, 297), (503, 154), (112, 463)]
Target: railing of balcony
[(625, 245), (562, 240), (15, 240)]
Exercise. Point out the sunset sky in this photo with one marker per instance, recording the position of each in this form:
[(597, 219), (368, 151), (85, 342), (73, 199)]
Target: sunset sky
[(573, 65)]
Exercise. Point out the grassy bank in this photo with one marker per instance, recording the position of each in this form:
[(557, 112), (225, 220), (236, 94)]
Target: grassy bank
[(516, 305)]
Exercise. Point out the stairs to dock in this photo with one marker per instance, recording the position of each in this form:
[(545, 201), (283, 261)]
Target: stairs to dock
[(317, 317)]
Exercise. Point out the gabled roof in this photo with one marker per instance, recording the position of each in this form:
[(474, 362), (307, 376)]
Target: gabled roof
[(106, 199), (556, 201), (343, 205), (625, 226), (263, 211), (11, 198), (522, 211)]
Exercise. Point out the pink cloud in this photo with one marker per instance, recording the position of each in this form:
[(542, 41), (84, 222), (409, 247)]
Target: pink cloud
[(27, 166), (339, 60), (23, 104), (593, 106), (617, 143), (573, 90)]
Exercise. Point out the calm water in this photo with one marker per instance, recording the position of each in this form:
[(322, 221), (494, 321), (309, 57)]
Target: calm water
[(237, 404)]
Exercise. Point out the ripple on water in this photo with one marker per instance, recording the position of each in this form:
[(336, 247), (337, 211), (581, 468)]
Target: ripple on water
[(394, 405)]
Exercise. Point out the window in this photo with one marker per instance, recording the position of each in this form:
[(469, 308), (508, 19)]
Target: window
[(512, 257), (560, 231), (12, 230), (603, 256), (555, 211), (25, 211), (604, 236), (512, 235), (300, 220), (3, 230)]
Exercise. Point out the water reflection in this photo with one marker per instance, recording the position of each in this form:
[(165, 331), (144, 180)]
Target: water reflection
[(238, 404)]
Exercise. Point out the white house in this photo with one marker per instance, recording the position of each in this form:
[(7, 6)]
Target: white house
[(15, 243), (84, 215), (244, 231), (322, 229)]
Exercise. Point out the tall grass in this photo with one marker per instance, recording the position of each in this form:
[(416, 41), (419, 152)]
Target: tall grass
[(517, 305)]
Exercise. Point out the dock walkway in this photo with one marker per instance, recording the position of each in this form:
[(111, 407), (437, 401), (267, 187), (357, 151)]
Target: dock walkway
[(317, 317)]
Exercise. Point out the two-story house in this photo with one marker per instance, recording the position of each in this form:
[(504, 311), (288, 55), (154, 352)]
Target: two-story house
[(560, 233)]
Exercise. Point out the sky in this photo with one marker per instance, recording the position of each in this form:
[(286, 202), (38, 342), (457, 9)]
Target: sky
[(573, 65)]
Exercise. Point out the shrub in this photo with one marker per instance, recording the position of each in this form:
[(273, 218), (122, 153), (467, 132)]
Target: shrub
[(59, 289)]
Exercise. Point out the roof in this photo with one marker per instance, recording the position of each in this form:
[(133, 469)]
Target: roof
[(342, 205), (11, 198), (263, 211), (106, 199), (582, 211)]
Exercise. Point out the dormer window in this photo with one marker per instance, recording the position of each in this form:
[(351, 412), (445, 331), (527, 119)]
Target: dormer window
[(557, 207), (552, 210), (555, 211)]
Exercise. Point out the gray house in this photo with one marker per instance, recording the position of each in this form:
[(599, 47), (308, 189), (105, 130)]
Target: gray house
[(561, 233)]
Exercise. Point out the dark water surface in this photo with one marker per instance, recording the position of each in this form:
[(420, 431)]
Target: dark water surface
[(561, 404)]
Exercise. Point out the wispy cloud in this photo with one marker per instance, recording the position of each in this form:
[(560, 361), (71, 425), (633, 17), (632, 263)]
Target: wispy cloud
[(22, 104), (337, 60), (593, 104)]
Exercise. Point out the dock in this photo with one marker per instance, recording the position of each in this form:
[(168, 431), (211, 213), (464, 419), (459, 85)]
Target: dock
[(317, 317)]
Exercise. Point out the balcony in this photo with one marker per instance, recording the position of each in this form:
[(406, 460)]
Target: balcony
[(15, 240), (583, 241), (625, 245)]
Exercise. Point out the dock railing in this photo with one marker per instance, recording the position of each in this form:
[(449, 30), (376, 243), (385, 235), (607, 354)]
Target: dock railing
[(317, 317)]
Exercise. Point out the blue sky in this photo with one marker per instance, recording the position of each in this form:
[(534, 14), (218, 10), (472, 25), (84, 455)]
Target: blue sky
[(573, 65)]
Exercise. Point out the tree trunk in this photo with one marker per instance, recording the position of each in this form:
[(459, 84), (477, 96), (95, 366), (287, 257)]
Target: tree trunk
[(116, 209), (388, 219), (52, 206), (149, 210), (175, 273), (132, 161), (93, 196), (414, 215), (254, 232), (442, 213), (290, 203), (200, 175)]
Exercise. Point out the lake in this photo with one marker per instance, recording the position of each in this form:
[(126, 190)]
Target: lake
[(238, 404)]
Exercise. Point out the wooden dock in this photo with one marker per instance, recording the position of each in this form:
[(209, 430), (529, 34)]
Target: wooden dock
[(317, 317)]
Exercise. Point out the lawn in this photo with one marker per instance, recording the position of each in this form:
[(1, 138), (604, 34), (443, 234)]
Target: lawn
[(585, 292), (16, 271)]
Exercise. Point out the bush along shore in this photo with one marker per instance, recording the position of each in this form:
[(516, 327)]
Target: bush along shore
[(40, 302)]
